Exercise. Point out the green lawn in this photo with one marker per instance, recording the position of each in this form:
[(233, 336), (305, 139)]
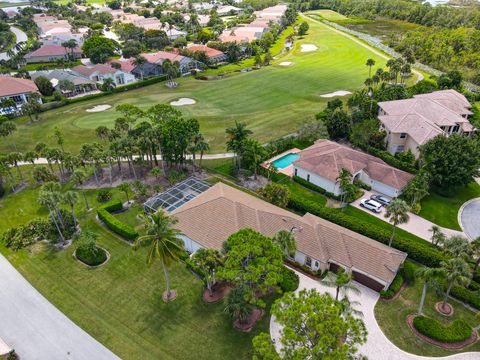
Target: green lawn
[(391, 316), (274, 101), (443, 210), (120, 303), (329, 15)]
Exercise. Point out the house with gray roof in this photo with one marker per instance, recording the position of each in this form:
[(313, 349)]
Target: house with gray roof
[(81, 85)]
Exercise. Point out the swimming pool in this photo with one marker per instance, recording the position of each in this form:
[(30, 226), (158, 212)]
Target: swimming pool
[(285, 160)]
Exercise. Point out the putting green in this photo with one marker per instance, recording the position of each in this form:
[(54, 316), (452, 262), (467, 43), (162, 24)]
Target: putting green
[(273, 101)]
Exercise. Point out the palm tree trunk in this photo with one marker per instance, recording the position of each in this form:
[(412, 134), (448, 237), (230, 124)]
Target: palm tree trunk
[(337, 292), (477, 263), (167, 279), (447, 293), (56, 225), (74, 218), (422, 300), (85, 198), (19, 171), (392, 236)]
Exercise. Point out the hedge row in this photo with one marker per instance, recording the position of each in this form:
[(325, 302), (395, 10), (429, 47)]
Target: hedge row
[(394, 287), (457, 331), (420, 251), (467, 296), (113, 223)]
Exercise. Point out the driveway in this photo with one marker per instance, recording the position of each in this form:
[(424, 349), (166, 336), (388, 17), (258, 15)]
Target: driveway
[(20, 37), (469, 216), (377, 347), (416, 225), (38, 330)]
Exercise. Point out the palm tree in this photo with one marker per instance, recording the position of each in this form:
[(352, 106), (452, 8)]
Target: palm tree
[(138, 62), (202, 147), (237, 307), (78, 178), (255, 152), (438, 237), (370, 63), (285, 240), (344, 180), (457, 246), (71, 198), (397, 213), (163, 244), (341, 281), (46, 199), (125, 187), (456, 272), (236, 136), (475, 245), (429, 275)]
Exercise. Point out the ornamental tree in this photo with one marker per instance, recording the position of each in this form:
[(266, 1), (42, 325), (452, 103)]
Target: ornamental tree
[(99, 48), (314, 326), (253, 263)]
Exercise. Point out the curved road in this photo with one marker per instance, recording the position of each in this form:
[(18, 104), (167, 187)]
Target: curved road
[(468, 218), (20, 37)]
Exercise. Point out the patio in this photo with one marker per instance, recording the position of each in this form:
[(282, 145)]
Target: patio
[(283, 162)]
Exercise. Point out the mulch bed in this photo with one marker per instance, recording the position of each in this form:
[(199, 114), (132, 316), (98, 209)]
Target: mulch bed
[(167, 298), (256, 315), (446, 310), (220, 290), (448, 346), (398, 293)]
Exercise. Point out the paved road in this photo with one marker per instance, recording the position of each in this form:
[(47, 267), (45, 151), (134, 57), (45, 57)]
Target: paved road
[(416, 225), (36, 329), (377, 347), (21, 37), (470, 218)]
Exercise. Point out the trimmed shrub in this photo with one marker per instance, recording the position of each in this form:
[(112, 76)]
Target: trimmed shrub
[(116, 225), (420, 251), (394, 287), (289, 281), (112, 206), (408, 271), (104, 195), (91, 254), (467, 296), (457, 331)]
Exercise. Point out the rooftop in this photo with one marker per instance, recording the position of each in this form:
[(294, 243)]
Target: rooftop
[(12, 86)]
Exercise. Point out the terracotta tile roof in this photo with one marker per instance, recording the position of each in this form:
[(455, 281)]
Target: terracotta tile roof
[(208, 50), (51, 50), (89, 70), (13, 86), (126, 64), (160, 56), (327, 158), (220, 211)]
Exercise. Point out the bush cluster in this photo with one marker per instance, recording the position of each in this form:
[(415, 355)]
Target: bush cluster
[(104, 195), (91, 254), (113, 223), (305, 268), (457, 331), (289, 281), (394, 287), (408, 272), (389, 158), (420, 251)]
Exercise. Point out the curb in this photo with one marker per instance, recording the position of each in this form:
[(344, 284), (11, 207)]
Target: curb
[(459, 216)]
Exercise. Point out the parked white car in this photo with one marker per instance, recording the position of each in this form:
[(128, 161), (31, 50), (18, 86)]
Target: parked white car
[(371, 205)]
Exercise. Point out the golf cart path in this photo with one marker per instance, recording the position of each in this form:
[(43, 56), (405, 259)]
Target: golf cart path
[(366, 46), (416, 225), (378, 346), (38, 330), (20, 36)]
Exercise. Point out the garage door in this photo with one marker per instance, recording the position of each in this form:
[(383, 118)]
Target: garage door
[(367, 281), (383, 189)]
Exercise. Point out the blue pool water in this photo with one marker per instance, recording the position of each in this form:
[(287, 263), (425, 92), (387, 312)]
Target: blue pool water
[(285, 160)]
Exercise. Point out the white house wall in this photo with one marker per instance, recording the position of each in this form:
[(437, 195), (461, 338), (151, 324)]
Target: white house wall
[(190, 245), (326, 184)]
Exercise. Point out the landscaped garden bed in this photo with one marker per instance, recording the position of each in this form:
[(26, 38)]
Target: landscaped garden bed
[(92, 258)]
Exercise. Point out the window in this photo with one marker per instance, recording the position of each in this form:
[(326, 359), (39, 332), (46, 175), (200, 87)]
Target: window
[(456, 128), (400, 148), (295, 171), (308, 177), (316, 264), (403, 135), (308, 261)]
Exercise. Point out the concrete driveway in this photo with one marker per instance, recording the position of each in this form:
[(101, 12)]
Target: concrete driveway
[(377, 347), (416, 225), (20, 37), (38, 330), (469, 216)]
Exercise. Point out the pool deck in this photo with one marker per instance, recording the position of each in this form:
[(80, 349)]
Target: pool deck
[(286, 170)]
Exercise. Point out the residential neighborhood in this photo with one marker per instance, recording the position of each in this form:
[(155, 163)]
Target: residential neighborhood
[(252, 179)]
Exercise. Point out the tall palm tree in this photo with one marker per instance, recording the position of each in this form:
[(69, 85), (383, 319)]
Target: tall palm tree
[(285, 240), (457, 246), (79, 178), (397, 213), (429, 275), (456, 272), (46, 199), (341, 281), (71, 198), (438, 237), (344, 180), (370, 63), (255, 152), (236, 136), (202, 147), (163, 244), (139, 61)]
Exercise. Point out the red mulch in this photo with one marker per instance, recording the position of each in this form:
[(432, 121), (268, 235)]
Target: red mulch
[(448, 346), (220, 290), (256, 315), (446, 310)]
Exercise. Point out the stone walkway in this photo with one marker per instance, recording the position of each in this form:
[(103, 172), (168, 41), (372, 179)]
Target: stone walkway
[(377, 347)]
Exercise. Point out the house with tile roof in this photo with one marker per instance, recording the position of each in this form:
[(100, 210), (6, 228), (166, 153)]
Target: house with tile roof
[(100, 72), (214, 55), (186, 63), (81, 85), (412, 122), (208, 219), (49, 53), (322, 163), (16, 89)]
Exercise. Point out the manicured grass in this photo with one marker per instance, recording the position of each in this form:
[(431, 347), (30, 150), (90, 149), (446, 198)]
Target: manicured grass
[(273, 101), (443, 210), (49, 65), (391, 316), (120, 303), (329, 15)]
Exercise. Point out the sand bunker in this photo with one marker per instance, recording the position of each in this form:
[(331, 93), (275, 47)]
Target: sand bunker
[(285, 63), (308, 47), (182, 102), (336, 93), (99, 108)]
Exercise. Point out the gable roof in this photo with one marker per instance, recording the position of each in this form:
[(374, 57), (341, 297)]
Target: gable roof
[(13, 86), (208, 50), (51, 50), (160, 56), (327, 158), (211, 217)]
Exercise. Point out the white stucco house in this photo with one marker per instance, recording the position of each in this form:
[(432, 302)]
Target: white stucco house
[(100, 72), (322, 163)]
